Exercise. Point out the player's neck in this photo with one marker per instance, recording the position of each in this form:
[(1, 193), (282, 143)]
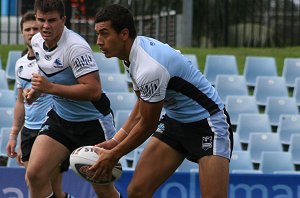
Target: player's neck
[(30, 52)]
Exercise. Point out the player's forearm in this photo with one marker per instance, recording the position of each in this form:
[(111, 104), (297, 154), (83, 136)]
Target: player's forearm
[(139, 134), (133, 118), (19, 115), (76, 92)]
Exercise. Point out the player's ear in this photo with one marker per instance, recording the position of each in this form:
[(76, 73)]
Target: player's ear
[(64, 19), (125, 33)]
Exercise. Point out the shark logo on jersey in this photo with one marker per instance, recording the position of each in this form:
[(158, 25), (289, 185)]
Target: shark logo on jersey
[(37, 56), (20, 69), (31, 64), (47, 57), (206, 142), (57, 63), (150, 88)]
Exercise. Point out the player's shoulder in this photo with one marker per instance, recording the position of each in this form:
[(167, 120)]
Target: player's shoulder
[(36, 38), (73, 39), (22, 60), (25, 67)]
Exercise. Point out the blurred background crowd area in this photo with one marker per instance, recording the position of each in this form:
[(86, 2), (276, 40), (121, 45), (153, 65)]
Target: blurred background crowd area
[(181, 23)]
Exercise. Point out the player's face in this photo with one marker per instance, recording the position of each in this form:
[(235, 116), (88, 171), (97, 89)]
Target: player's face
[(30, 28), (111, 43), (51, 26)]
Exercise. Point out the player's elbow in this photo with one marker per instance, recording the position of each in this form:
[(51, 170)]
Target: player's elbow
[(95, 96)]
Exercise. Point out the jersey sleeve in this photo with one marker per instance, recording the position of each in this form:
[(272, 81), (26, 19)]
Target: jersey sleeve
[(153, 84), (17, 71), (82, 60)]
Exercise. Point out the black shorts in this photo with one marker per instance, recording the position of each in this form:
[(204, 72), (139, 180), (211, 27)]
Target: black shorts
[(28, 137), (72, 134), (211, 136)]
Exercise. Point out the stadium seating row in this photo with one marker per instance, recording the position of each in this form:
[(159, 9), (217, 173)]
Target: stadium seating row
[(116, 85), (265, 152), (254, 66), (265, 86)]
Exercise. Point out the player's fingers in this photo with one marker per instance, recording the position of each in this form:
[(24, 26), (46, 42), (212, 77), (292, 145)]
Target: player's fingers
[(101, 145), (98, 150), (103, 174)]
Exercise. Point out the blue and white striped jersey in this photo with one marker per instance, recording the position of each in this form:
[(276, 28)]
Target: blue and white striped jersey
[(35, 114), (160, 72), (69, 60)]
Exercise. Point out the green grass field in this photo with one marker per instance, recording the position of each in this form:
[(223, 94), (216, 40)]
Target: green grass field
[(278, 53)]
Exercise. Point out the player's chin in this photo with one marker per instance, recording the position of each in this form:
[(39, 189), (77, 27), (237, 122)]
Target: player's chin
[(106, 54)]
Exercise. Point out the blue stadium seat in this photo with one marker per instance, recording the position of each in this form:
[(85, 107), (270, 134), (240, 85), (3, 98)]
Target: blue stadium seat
[(12, 58), (107, 65), (260, 142), (235, 105), (3, 80), (275, 161), (240, 161), (7, 117), (219, 64), (259, 66), (296, 91), (267, 86), (288, 125), (12, 163), (188, 166), (277, 106), (231, 85), (290, 71), (294, 148), (121, 100), (193, 59), (249, 123), (114, 82), (236, 142), (7, 98), (4, 136), (120, 117)]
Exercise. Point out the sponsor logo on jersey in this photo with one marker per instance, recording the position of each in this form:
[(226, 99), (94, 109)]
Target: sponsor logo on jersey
[(206, 142), (47, 57), (57, 63), (83, 61), (160, 128), (150, 88)]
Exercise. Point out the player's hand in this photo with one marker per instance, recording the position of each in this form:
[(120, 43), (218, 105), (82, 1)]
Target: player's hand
[(104, 165), (19, 158), (109, 144), (30, 95), (40, 83), (10, 148)]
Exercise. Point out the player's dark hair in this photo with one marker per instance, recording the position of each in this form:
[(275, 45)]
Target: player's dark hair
[(28, 16), (120, 18), (49, 6)]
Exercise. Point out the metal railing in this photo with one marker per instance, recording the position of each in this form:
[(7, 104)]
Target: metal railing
[(215, 23)]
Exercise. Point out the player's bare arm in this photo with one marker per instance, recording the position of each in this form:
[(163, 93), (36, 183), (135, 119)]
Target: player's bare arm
[(147, 124), (133, 118), (88, 87), (18, 122)]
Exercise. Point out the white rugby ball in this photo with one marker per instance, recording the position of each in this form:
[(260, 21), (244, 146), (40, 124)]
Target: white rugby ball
[(84, 157)]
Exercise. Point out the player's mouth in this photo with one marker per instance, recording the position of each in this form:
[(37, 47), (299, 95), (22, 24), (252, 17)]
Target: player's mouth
[(46, 34), (103, 50)]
